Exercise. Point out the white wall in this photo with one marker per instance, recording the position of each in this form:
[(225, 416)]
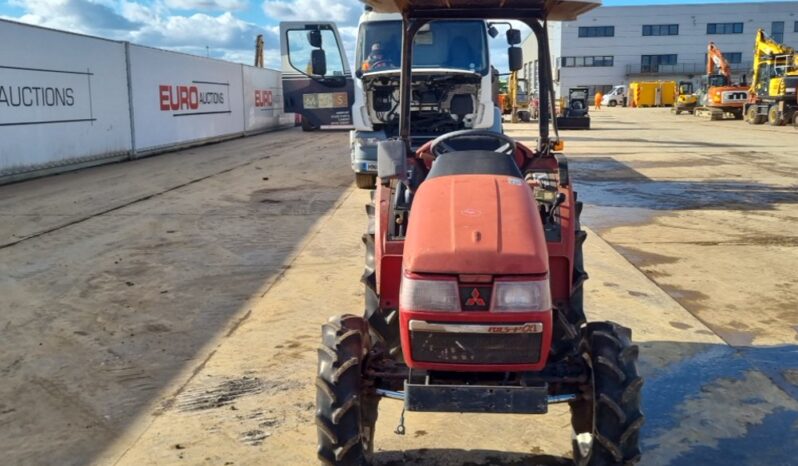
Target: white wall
[(263, 100), (63, 100), (182, 99)]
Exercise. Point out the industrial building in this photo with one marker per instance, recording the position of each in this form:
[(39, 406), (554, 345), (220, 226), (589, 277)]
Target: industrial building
[(616, 45)]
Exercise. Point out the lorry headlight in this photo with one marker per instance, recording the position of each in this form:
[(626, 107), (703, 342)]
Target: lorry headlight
[(529, 296), (429, 295), (367, 141)]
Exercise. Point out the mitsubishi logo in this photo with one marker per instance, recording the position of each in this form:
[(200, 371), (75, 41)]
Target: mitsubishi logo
[(475, 299)]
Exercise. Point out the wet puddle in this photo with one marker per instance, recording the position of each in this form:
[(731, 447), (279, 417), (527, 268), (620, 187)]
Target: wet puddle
[(616, 194)]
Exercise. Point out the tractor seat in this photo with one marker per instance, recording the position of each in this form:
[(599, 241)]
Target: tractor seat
[(474, 162)]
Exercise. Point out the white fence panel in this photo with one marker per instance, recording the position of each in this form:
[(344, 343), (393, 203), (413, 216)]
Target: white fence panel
[(182, 99), (263, 100), (63, 100)]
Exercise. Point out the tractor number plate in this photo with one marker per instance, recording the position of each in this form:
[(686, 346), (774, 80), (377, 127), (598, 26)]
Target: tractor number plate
[(476, 399)]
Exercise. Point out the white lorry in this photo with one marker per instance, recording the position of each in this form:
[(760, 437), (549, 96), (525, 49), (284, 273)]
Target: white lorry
[(616, 97), (453, 82)]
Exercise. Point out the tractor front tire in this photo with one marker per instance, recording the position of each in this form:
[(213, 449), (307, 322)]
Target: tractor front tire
[(345, 414), (611, 411)]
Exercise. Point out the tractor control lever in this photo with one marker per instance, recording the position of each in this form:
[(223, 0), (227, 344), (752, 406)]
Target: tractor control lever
[(557, 202)]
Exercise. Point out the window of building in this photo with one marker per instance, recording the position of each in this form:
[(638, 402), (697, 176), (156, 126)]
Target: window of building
[(734, 58), (591, 61), (777, 31), (796, 27), (725, 28), (597, 31), (651, 63), (660, 29)]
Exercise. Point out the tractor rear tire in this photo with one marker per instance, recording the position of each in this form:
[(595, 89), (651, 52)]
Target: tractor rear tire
[(383, 324), (611, 413), (365, 180), (774, 116), (345, 414)]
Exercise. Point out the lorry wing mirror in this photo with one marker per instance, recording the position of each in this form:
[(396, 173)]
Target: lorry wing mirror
[(314, 38), (493, 32), (392, 160), (513, 36), (318, 62), (515, 58)]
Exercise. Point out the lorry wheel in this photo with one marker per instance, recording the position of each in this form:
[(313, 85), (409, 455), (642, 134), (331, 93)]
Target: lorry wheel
[(307, 126), (383, 324), (774, 116), (365, 180), (345, 414), (607, 421)]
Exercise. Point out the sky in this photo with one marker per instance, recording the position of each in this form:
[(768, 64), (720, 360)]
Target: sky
[(223, 29)]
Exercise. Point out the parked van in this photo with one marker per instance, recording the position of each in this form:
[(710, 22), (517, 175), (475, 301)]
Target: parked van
[(616, 97)]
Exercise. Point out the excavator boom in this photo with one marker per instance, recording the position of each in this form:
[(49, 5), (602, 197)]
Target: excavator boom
[(715, 59)]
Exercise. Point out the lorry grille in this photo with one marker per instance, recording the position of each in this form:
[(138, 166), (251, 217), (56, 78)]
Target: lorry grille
[(475, 348)]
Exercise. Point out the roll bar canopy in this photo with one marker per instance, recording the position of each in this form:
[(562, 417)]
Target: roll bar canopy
[(553, 10)]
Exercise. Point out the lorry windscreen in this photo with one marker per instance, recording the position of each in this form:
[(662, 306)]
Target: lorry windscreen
[(441, 44)]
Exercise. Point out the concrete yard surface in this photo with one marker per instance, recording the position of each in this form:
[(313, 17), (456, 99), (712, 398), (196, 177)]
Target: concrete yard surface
[(168, 310)]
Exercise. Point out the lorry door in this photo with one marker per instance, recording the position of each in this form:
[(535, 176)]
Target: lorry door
[(317, 81)]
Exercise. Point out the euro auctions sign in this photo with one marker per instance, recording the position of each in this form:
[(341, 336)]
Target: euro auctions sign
[(195, 98), (263, 98)]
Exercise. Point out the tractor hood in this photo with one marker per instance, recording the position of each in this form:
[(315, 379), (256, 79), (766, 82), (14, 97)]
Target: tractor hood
[(475, 224)]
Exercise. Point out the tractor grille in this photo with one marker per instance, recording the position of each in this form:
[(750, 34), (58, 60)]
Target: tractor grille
[(475, 348)]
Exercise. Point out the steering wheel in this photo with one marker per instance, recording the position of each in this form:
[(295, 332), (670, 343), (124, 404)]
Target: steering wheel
[(380, 64), (441, 145)]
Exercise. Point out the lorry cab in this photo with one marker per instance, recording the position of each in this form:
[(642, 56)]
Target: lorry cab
[(451, 77), (452, 83)]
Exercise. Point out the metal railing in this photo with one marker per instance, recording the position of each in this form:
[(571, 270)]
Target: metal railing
[(681, 68)]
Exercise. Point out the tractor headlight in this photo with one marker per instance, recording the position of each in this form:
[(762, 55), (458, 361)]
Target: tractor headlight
[(528, 296), (429, 295)]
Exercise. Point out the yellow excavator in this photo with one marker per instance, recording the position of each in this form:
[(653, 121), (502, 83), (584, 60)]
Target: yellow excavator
[(774, 87), (515, 100), (687, 100)]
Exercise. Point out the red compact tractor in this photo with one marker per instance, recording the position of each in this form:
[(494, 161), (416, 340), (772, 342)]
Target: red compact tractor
[(473, 279)]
